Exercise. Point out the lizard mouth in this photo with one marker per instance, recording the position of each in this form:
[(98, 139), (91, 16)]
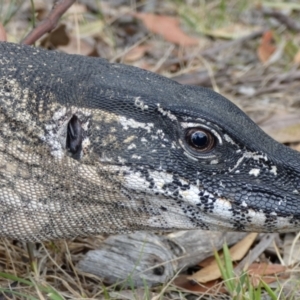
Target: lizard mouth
[(255, 206), (182, 205)]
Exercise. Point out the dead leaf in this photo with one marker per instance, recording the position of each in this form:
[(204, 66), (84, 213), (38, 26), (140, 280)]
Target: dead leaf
[(266, 47), (168, 27), (297, 57), (213, 287), (237, 252), (76, 11), (209, 273), (256, 271), (209, 260), (144, 65), (78, 47), (255, 280), (263, 271), (136, 53), (58, 37), (2, 33), (296, 147), (233, 31), (91, 29)]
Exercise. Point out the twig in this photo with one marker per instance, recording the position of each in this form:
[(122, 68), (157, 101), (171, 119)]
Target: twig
[(269, 89), (197, 78), (50, 22), (212, 52), (279, 82), (287, 77), (264, 243), (286, 20)]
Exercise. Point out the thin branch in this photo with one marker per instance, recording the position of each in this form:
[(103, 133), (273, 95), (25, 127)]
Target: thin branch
[(212, 52), (50, 22), (264, 243), (284, 19)]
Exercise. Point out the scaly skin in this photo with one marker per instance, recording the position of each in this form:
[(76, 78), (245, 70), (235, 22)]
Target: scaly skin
[(89, 147)]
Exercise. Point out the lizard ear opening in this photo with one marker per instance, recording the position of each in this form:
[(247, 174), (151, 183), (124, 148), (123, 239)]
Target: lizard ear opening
[(74, 137)]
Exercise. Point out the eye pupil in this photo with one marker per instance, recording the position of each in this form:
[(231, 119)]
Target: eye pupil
[(199, 139)]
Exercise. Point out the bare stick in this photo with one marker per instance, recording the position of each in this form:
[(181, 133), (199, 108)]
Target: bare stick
[(213, 51), (50, 22), (284, 19), (255, 252)]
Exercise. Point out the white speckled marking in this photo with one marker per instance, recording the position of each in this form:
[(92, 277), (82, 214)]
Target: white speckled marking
[(166, 113), (59, 114), (273, 170), (229, 139), (253, 155), (244, 204), (131, 146), (140, 104), (131, 123), (254, 172), (214, 162)]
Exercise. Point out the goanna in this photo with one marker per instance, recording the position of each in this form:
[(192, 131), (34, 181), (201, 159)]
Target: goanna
[(89, 147)]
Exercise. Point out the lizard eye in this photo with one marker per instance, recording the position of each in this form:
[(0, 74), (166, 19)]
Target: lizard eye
[(200, 139)]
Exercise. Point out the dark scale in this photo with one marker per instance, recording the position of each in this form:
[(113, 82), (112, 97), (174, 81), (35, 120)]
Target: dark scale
[(185, 187), (176, 181), (270, 221), (171, 187), (176, 193), (238, 226), (151, 185), (294, 220)]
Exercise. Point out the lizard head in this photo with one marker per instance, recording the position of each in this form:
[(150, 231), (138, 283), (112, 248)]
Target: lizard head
[(89, 147), (193, 157)]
